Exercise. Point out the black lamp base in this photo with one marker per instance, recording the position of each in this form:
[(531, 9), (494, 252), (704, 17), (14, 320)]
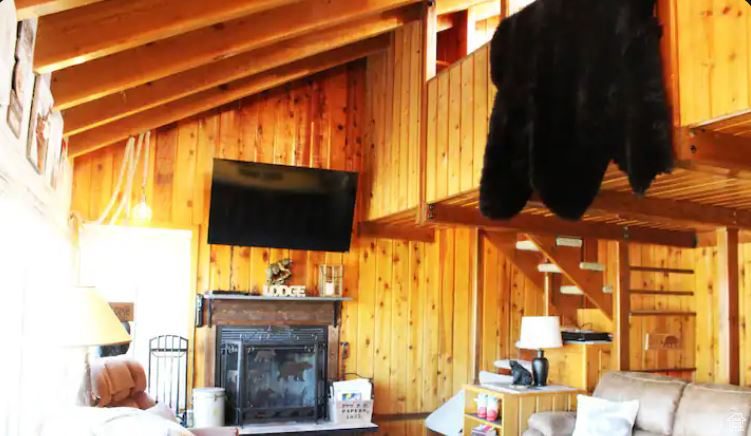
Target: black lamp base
[(540, 369)]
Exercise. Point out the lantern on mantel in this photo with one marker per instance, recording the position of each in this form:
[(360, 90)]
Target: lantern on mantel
[(330, 280)]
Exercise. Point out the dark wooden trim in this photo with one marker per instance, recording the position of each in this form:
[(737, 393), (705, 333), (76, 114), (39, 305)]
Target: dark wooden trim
[(658, 269), (438, 213), (477, 303), (390, 417), (622, 300), (728, 292), (394, 231), (666, 370)]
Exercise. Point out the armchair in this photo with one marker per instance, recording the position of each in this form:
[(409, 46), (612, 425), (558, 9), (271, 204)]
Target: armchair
[(121, 382)]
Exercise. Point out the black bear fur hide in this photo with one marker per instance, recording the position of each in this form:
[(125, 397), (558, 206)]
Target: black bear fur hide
[(579, 84)]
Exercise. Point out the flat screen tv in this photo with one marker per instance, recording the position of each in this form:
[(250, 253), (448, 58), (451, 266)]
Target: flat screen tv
[(278, 206)]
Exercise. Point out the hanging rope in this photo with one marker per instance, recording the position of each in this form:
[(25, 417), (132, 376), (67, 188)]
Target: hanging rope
[(145, 167), (126, 176), (126, 158), (125, 200)]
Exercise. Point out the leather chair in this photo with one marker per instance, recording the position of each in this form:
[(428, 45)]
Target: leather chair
[(121, 382)]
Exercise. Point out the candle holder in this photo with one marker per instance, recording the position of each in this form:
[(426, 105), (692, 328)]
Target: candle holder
[(330, 280)]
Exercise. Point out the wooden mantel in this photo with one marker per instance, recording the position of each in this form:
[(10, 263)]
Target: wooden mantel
[(239, 309), (245, 309)]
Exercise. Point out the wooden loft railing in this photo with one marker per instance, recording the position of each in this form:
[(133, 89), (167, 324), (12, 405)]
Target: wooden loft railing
[(692, 200)]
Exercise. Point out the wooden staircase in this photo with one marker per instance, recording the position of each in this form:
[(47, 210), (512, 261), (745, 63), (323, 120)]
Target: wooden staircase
[(564, 267)]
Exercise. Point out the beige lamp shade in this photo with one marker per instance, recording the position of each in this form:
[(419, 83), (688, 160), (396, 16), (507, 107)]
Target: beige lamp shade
[(89, 320), (540, 332)]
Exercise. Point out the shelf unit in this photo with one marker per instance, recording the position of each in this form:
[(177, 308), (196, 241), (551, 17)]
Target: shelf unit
[(515, 407)]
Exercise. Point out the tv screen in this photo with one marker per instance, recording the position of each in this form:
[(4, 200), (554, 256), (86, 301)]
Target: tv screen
[(278, 206)]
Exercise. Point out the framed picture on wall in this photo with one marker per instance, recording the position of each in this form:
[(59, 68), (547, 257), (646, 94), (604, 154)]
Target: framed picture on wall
[(7, 49), (23, 78), (57, 150), (40, 124)]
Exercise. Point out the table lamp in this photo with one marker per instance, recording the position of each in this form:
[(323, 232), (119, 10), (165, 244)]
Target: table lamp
[(89, 321), (538, 333)]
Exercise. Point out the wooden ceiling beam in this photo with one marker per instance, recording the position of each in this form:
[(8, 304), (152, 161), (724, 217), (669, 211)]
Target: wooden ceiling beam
[(137, 66), (449, 6), (179, 109), (100, 29), (701, 146), (398, 232), (26, 9), (630, 206), (144, 97), (471, 216)]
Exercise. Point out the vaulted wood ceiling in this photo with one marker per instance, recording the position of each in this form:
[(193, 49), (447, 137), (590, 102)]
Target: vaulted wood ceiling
[(120, 67)]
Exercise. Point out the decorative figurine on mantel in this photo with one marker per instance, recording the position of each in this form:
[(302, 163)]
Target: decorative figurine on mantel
[(277, 276), (278, 273)]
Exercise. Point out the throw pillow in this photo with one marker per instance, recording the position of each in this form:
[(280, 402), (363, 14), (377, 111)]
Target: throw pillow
[(597, 417), (161, 409)]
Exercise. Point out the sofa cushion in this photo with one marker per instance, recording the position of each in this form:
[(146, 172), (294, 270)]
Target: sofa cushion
[(553, 423), (658, 397), (713, 409)]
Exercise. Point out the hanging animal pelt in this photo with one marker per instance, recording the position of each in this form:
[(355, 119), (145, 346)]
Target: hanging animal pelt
[(579, 84)]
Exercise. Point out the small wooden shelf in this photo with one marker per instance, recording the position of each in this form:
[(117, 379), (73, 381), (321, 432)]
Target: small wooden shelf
[(660, 292), (473, 417), (658, 269), (661, 313), (210, 296), (515, 407)]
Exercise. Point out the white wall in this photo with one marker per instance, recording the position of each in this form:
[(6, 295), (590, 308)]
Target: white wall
[(148, 267), (36, 261)]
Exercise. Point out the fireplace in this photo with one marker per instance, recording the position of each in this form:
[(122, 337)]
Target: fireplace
[(272, 373)]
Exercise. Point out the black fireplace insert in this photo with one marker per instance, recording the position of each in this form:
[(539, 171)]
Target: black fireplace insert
[(272, 373)]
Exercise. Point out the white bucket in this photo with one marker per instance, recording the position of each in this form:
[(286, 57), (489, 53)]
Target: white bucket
[(208, 407)]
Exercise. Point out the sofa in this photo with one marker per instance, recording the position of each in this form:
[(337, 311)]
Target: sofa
[(667, 406)]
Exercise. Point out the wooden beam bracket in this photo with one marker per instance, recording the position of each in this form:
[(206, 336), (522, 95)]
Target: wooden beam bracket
[(700, 145), (438, 213)]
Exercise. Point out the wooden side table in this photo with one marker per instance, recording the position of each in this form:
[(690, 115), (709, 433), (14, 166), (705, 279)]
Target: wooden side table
[(516, 406)]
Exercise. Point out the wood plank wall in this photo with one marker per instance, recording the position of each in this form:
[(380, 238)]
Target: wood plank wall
[(314, 122), (683, 325), (393, 122), (714, 49), (506, 296), (459, 103), (410, 326), (707, 330)]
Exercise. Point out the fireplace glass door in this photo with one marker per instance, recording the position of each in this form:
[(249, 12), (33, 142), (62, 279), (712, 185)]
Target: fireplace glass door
[(272, 373), (281, 379)]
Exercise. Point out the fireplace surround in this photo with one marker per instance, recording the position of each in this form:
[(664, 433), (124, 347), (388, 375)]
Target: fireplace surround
[(275, 356)]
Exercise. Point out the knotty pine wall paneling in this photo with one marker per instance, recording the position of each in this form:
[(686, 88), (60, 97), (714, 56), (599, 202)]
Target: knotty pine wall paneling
[(313, 122), (393, 124), (459, 103), (707, 319), (714, 47)]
